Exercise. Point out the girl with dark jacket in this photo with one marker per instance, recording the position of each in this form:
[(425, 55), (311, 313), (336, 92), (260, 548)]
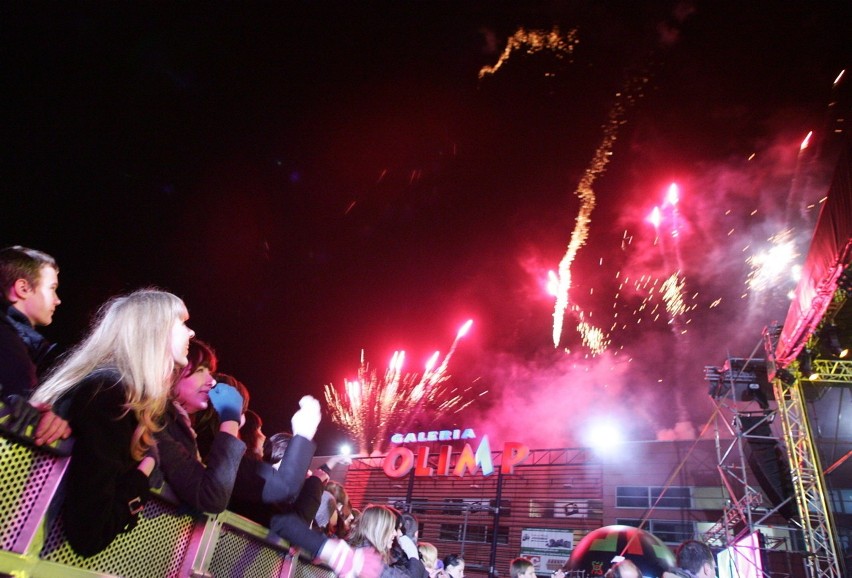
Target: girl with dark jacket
[(115, 388)]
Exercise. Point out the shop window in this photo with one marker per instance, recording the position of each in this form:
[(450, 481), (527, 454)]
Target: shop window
[(673, 497), (670, 532)]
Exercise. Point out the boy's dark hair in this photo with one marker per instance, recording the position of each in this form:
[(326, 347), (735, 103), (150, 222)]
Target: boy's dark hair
[(692, 555), (275, 446), (22, 263), (452, 560), (409, 525)]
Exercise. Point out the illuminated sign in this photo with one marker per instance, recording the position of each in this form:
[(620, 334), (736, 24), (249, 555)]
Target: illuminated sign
[(400, 460), (433, 436)]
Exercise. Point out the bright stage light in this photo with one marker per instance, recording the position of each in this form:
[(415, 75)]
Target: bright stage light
[(345, 450), (604, 436)]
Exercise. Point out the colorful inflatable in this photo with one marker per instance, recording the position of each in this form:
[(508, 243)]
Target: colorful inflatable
[(595, 552)]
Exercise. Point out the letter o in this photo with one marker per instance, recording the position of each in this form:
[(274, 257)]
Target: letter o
[(399, 454)]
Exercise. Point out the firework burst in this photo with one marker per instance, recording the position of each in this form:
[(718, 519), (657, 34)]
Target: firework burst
[(771, 268), (375, 404)]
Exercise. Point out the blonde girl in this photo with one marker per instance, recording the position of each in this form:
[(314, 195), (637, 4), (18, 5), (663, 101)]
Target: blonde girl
[(113, 388)]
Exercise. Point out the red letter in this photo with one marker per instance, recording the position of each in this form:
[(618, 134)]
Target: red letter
[(444, 460), (422, 468), (513, 454), (390, 467)]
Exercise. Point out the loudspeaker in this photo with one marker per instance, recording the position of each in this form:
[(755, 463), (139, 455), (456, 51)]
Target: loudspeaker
[(768, 463)]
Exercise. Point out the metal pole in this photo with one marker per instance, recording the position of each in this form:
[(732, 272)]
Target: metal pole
[(492, 562), (410, 492)]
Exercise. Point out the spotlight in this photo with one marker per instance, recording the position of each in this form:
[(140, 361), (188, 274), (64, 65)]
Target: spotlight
[(785, 376), (830, 337), (806, 367), (604, 436)]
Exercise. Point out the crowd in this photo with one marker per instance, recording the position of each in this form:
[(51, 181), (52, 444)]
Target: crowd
[(146, 403)]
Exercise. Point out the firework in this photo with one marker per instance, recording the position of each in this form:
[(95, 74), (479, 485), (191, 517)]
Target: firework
[(586, 194), (672, 291), (593, 337), (806, 142), (375, 404), (532, 41), (772, 267)]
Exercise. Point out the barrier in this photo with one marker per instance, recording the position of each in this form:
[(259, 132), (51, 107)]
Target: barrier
[(166, 543)]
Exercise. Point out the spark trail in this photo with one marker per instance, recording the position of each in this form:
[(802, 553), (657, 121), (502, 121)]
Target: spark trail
[(532, 41), (586, 194)]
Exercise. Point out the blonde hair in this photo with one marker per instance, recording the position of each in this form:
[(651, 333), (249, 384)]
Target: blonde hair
[(132, 334), (429, 554), (375, 527)]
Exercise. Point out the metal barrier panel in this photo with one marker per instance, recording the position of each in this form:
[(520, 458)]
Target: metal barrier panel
[(28, 481), (304, 569), (244, 549), (156, 548), (166, 543)]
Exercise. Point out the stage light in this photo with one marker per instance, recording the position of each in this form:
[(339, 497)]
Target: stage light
[(785, 376), (806, 368), (604, 436), (757, 395)]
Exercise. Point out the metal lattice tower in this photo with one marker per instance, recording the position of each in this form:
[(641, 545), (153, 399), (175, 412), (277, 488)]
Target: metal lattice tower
[(808, 482), (739, 380)]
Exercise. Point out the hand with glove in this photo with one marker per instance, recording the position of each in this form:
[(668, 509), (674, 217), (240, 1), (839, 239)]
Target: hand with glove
[(33, 423), (305, 421), (408, 546), (227, 402), (21, 418)]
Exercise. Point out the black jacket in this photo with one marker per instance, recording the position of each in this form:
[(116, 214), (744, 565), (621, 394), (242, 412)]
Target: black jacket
[(103, 485), (24, 352), (203, 488), (282, 500)]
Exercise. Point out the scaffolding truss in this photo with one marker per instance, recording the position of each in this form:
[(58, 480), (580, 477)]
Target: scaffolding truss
[(820, 535), (740, 380)]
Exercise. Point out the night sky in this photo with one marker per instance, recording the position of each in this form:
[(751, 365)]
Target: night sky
[(319, 178)]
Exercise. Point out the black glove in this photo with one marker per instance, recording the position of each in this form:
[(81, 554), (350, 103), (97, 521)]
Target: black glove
[(21, 419)]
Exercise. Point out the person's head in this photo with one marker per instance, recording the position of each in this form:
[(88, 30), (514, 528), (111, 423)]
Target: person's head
[(236, 383), (696, 557), (252, 435), (624, 569), (192, 389), (410, 527), (326, 516), (29, 280), (377, 528), (454, 566), (144, 337), (275, 447), (521, 568), (429, 556)]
